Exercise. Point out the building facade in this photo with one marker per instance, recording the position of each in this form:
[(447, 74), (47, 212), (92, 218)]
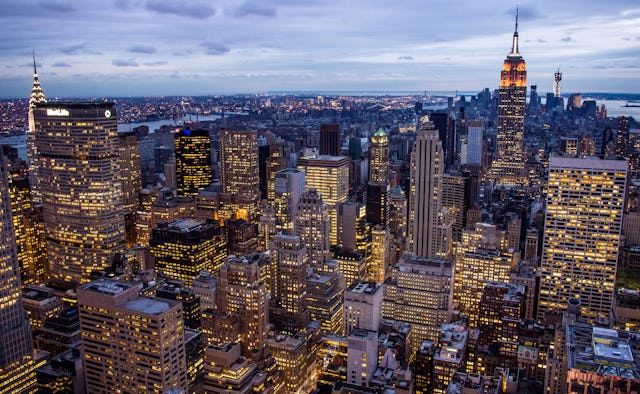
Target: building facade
[(585, 201), (80, 185)]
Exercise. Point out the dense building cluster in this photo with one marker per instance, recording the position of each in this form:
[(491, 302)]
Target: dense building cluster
[(323, 245)]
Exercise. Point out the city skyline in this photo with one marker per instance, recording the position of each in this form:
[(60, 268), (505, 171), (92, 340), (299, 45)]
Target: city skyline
[(130, 48)]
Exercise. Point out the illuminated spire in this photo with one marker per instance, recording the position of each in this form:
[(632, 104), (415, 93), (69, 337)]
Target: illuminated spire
[(514, 46), (37, 95)]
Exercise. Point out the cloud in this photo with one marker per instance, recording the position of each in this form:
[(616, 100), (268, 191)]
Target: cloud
[(541, 41), (405, 57), (148, 49), (30, 64), (122, 4), (566, 39), (53, 6), (72, 49), (124, 63), (256, 9), (181, 8), (61, 64), (156, 63), (525, 13), (215, 48)]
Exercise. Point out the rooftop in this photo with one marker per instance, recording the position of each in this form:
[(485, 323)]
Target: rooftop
[(148, 305), (363, 287), (603, 351), (107, 286), (187, 224)]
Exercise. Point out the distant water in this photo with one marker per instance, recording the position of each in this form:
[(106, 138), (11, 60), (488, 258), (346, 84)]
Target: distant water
[(616, 108), (18, 142), (156, 124)]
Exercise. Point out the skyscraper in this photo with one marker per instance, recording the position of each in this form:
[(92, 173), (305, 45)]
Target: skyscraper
[(17, 371), (585, 201), (424, 195), (241, 294), (288, 187), (239, 173), (187, 246), (379, 158), (378, 186), (330, 139), (130, 343), (508, 165), (329, 175), (130, 170), (290, 259), (37, 96), (193, 161), (313, 227), (79, 180)]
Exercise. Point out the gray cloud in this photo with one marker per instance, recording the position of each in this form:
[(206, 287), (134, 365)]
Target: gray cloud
[(148, 49), (215, 48), (61, 64), (405, 57), (181, 8), (566, 39), (124, 63), (256, 9), (541, 41), (156, 63), (122, 4), (72, 49), (525, 13), (59, 7)]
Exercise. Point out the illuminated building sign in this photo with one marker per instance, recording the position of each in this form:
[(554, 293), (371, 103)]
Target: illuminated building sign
[(57, 112)]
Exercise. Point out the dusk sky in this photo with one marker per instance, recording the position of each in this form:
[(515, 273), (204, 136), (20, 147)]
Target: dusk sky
[(184, 47)]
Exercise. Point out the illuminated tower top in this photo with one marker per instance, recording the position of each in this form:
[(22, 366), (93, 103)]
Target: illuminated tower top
[(557, 77), (37, 95), (514, 70)]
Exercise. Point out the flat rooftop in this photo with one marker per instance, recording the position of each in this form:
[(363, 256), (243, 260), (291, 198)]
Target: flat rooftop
[(603, 351), (148, 305), (363, 287), (107, 286)]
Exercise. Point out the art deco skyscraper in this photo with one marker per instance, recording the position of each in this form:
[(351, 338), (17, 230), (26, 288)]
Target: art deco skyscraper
[(193, 161), (585, 201), (508, 165), (427, 160), (37, 96), (79, 180), (239, 173), (17, 372)]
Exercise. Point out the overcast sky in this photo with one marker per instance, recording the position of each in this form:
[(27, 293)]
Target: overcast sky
[(191, 47)]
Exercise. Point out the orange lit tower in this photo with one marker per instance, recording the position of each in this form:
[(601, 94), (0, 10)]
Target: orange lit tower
[(508, 165)]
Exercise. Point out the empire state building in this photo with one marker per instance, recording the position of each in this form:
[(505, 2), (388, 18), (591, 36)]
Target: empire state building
[(508, 165)]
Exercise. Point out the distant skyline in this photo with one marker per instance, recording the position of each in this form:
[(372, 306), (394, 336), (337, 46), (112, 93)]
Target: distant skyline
[(181, 47)]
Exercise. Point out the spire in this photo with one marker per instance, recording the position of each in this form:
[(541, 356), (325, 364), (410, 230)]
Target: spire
[(37, 95), (514, 45)]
